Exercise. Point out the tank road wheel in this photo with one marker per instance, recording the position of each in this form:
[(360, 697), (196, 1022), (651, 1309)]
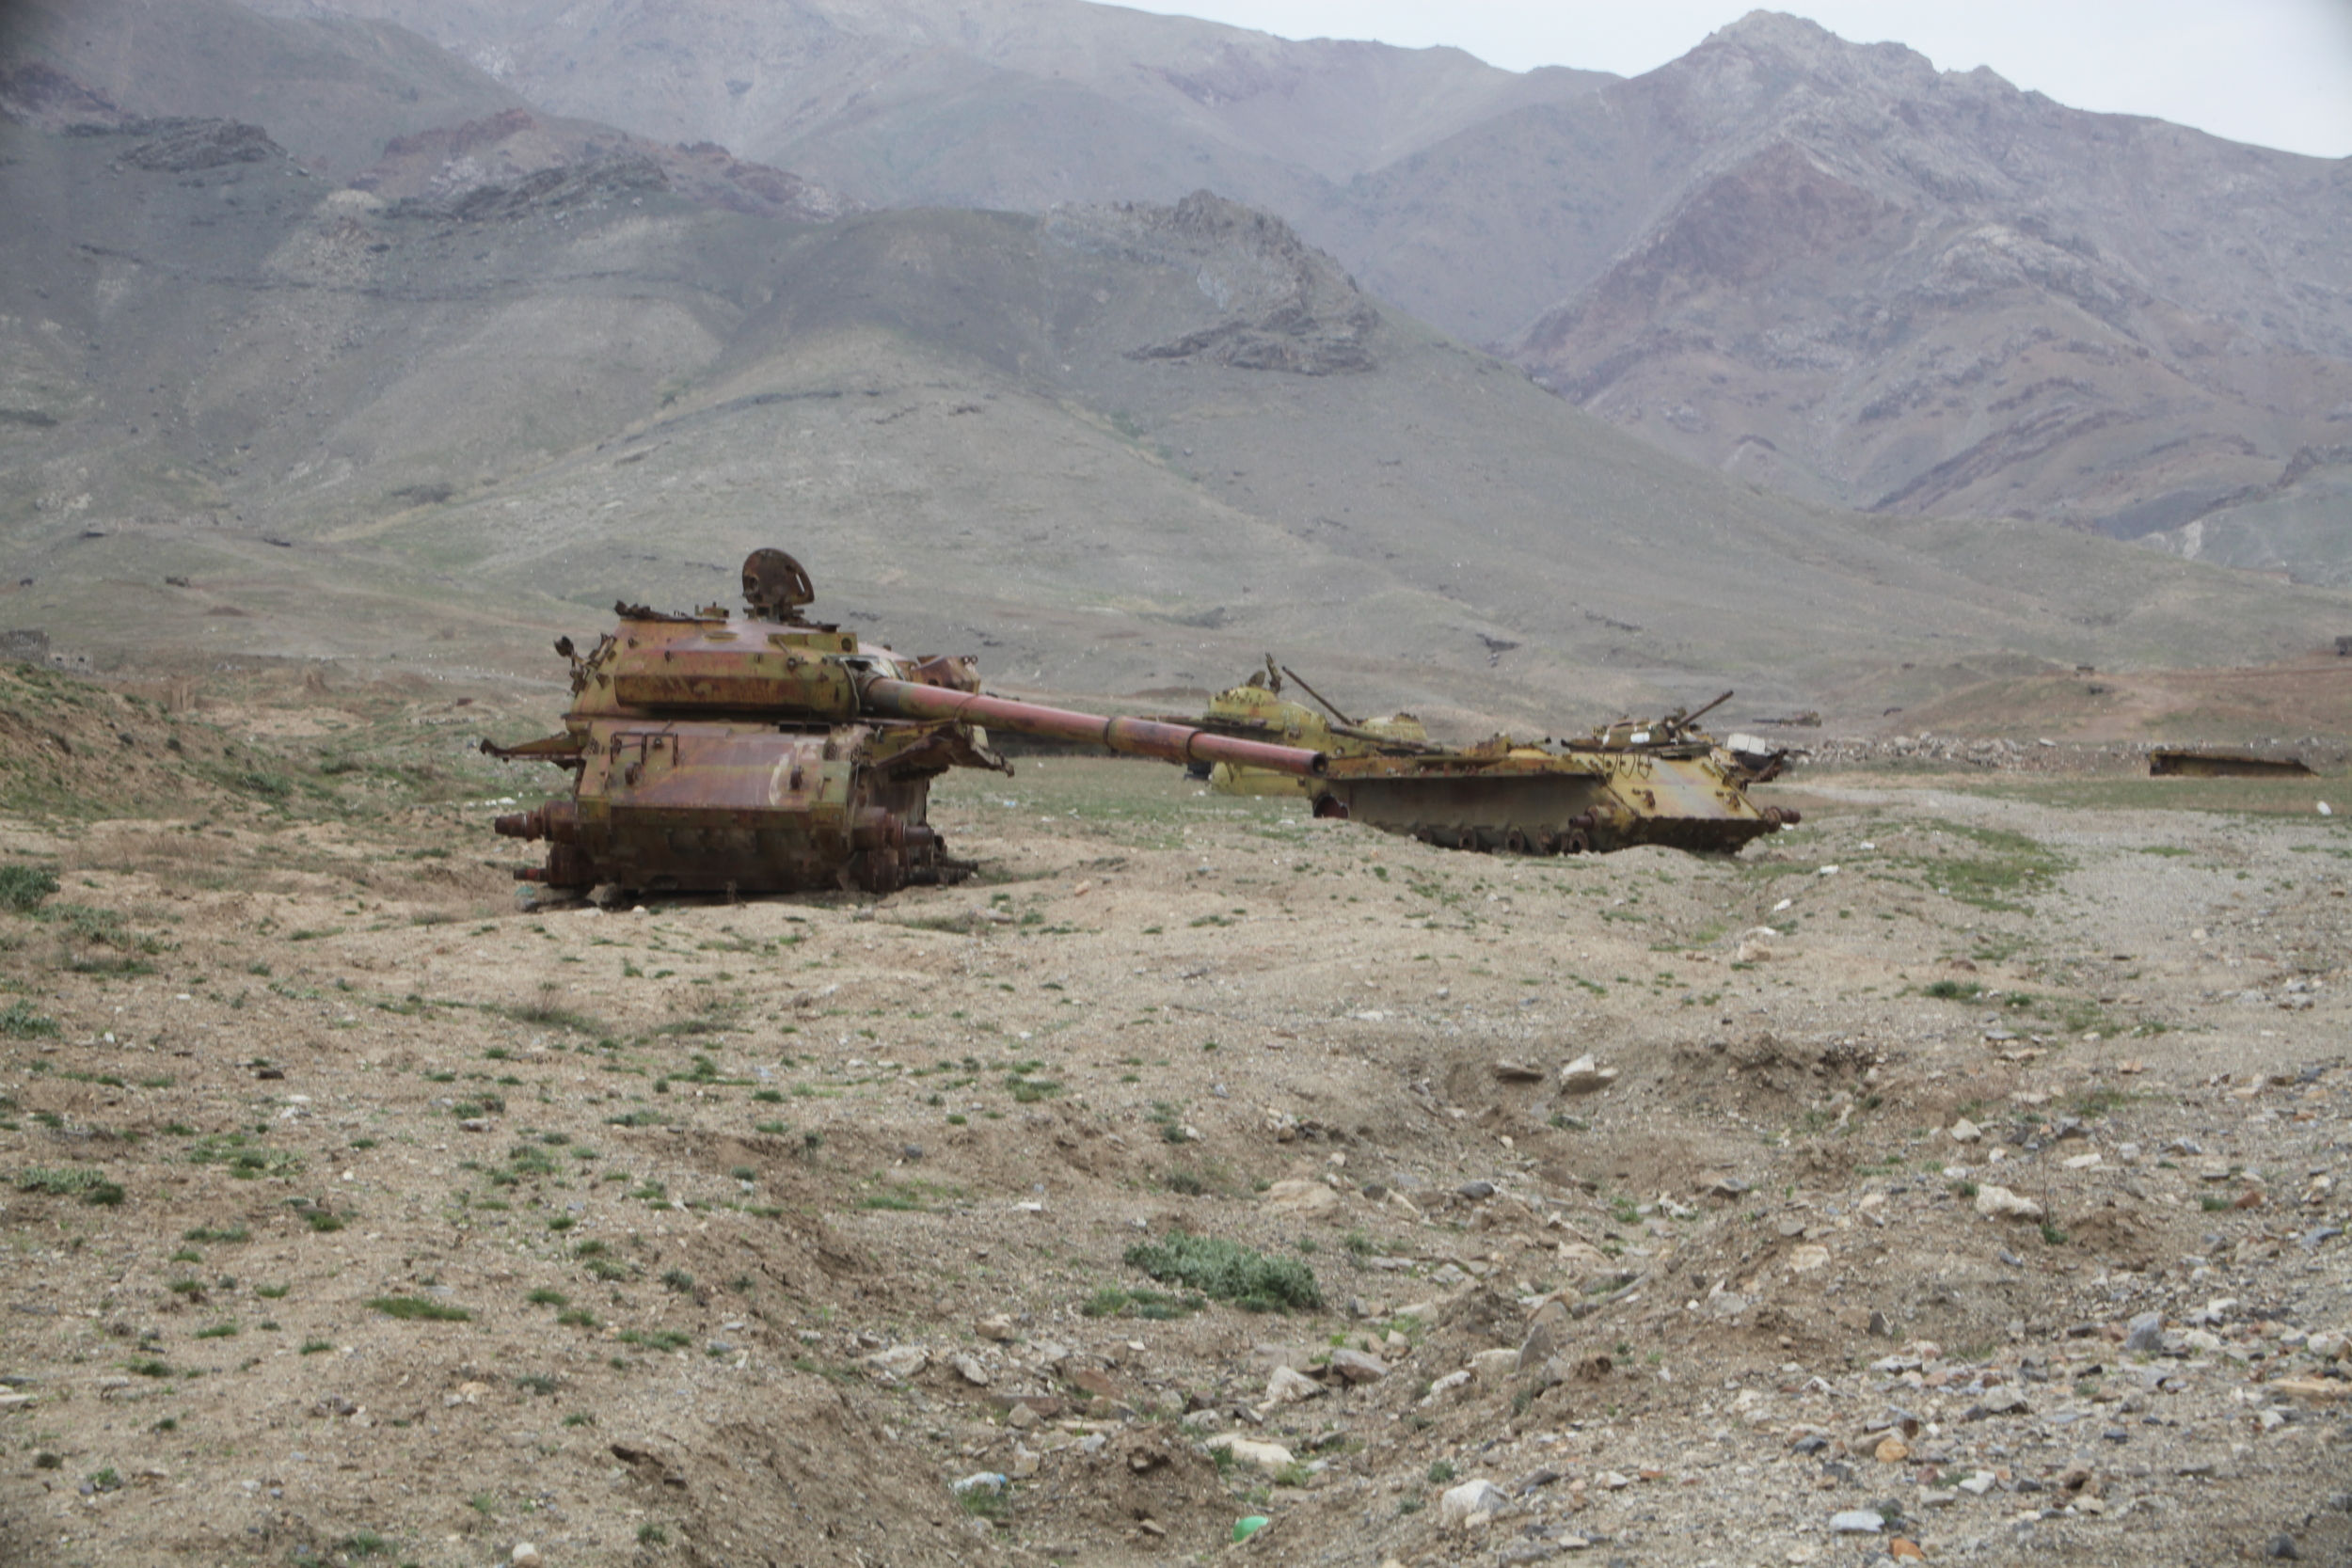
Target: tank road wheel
[(1425, 834), (1547, 842), (1516, 843), (1466, 838), (1573, 842), (1331, 806), (1773, 817)]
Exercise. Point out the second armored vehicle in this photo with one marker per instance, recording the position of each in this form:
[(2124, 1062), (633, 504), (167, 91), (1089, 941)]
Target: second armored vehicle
[(1660, 781)]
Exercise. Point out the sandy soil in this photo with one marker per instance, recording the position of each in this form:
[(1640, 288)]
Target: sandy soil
[(355, 1214)]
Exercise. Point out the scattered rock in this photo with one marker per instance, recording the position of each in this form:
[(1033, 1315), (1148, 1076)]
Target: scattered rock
[(1857, 1521), (2146, 1333), (1891, 1449), (998, 1328), (1287, 1386), (1964, 1132), (525, 1555), (1995, 1202), (1584, 1076), (1249, 1451), (1518, 1073), (1547, 1335), (969, 1368), (1470, 1505), (1295, 1196), (1495, 1366), (1356, 1367), (985, 1482)]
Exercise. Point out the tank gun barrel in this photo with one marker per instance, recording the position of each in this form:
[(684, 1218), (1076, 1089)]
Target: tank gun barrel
[(1691, 719), (1142, 736)]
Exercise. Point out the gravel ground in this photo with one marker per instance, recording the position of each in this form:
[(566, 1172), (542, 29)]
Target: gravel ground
[(1958, 1176)]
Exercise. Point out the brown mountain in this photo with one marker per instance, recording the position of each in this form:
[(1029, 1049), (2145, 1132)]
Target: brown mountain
[(1928, 292), (1825, 266), (1121, 450)]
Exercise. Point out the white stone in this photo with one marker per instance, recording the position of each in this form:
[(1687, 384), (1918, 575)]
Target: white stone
[(1445, 1385), (1495, 1366), (1469, 1505), (1999, 1203), (972, 1371), (1288, 1386), (901, 1360), (1585, 1076), (1249, 1451), (1964, 1132), (525, 1555)]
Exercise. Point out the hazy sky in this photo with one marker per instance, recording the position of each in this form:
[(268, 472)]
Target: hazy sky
[(2277, 72)]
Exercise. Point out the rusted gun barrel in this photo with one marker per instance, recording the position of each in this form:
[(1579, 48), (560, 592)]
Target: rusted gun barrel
[(1147, 737)]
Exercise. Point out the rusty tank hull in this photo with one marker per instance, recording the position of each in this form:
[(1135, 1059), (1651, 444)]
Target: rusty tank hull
[(1518, 799), (774, 755), (1658, 781)]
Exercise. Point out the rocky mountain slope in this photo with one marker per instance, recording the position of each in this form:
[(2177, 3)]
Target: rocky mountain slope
[(1121, 452), (1827, 267)]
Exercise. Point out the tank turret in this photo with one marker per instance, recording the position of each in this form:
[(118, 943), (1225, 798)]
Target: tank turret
[(777, 755)]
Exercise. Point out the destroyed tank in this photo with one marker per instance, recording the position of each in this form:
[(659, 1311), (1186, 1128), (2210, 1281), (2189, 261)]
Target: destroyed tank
[(777, 755), (1660, 781), (1258, 710)]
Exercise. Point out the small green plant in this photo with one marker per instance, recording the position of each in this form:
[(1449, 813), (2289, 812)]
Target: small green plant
[(206, 1233), (316, 1347), (680, 1281), (416, 1309), (544, 1297), (91, 1186), (1440, 1473), (18, 1021), (22, 887), (652, 1535), (272, 1293), (1226, 1271), (218, 1331)]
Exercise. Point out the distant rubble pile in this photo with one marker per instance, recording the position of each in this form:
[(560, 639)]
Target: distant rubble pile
[(2029, 757), (1292, 308)]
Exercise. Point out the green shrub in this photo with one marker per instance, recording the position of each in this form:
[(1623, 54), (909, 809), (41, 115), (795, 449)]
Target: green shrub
[(409, 1308), (22, 887), (80, 1181), (18, 1021), (1228, 1271)]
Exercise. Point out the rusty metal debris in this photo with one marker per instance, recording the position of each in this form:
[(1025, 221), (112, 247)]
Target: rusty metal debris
[(2176, 762), (1661, 781), (777, 755)]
